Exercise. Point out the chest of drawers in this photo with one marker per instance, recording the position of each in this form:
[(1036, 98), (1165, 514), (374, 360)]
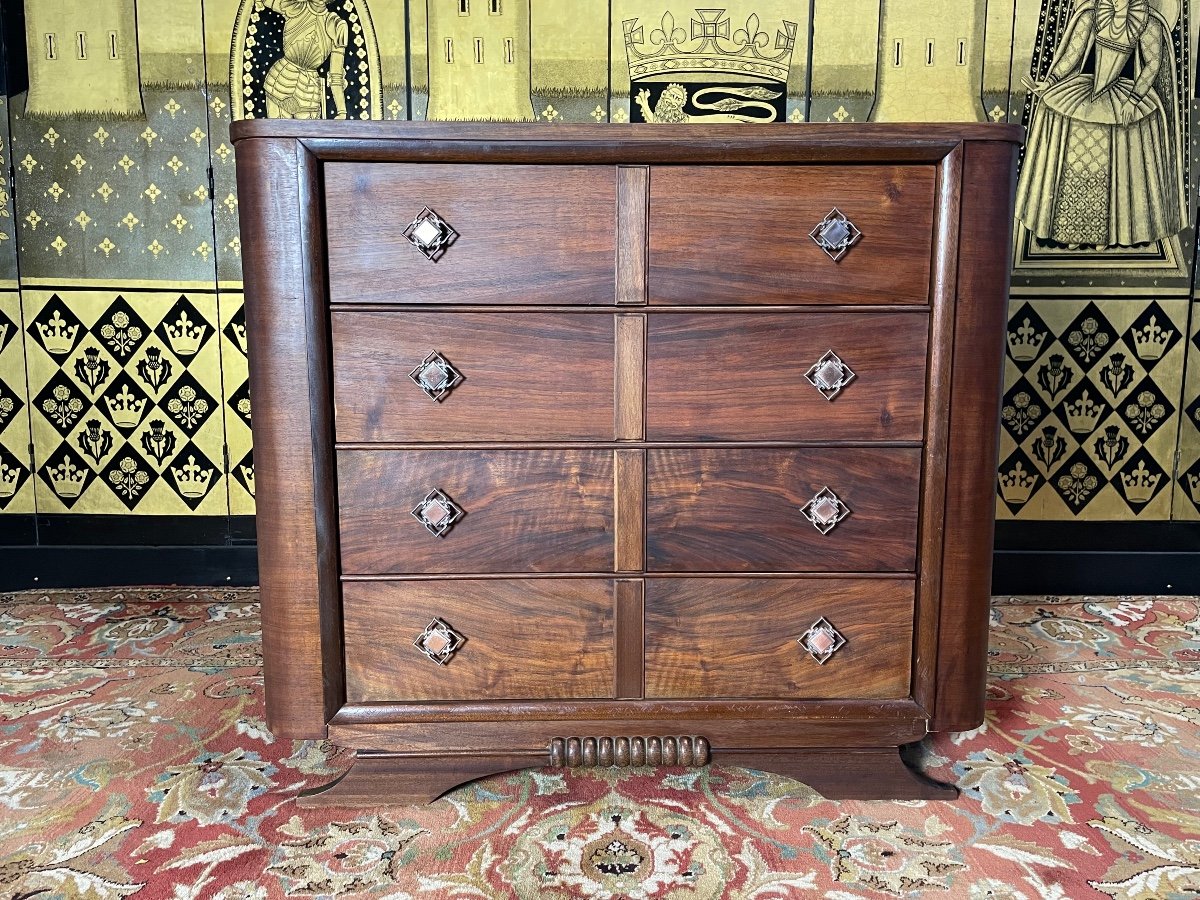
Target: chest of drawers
[(624, 445)]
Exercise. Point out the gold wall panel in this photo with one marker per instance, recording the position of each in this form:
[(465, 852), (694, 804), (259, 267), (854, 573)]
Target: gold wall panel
[(126, 408), (236, 409), (1091, 407), (16, 486)]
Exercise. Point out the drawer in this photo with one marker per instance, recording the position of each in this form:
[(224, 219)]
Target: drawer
[(740, 234), (510, 511), (534, 376), (734, 637), (768, 376), (508, 640), (743, 510), (525, 234)]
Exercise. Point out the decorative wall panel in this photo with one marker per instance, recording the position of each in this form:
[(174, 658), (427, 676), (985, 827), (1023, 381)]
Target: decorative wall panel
[(124, 189)]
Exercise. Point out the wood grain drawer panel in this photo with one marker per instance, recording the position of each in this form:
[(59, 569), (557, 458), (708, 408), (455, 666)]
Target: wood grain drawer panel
[(742, 377), (526, 234), (525, 511), (524, 639), (524, 376), (732, 637), (739, 510), (740, 234)]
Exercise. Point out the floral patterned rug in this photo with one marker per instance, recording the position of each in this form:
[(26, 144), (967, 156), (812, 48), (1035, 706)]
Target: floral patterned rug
[(135, 762)]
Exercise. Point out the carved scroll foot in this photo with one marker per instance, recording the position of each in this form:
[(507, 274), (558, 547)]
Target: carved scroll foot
[(388, 779), (873, 773)]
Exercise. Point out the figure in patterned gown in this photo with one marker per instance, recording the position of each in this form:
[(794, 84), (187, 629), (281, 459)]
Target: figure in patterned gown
[(1103, 157), (311, 35)]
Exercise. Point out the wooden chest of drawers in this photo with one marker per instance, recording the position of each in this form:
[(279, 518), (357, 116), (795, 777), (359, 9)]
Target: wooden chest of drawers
[(624, 445)]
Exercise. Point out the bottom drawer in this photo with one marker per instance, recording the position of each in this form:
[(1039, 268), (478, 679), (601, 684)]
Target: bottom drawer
[(510, 639), (737, 637)]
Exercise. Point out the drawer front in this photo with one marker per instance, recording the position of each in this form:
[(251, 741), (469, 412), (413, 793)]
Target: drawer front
[(483, 377), (734, 637), (507, 640), (512, 511), (767, 376), (525, 234), (744, 510), (740, 234)]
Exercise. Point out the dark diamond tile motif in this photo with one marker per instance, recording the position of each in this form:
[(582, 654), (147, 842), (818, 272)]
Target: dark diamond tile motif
[(1018, 480), (1145, 409), (56, 329), (129, 476), (1192, 412), (1078, 481), (8, 331), (67, 475), (11, 405), (235, 329), (13, 475), (1189, 483), (239, 402), (1028, 335), (192, 475), (1140, 480), (1089, 336), (188, 404), (62, 403), (125, 404), (1022, 410), (243, 471), (121, 330), (1083, 409), (184, 329)]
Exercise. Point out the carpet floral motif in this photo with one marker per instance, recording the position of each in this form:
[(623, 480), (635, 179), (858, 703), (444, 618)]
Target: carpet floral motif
[(135, 761)]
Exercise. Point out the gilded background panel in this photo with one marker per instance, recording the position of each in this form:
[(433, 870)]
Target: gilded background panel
[(124, 206)]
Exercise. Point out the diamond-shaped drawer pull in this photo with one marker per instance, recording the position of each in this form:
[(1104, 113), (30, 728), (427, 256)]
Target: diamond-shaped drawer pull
[(825, 510), (437, 513), (829, 375), (435, 376), (835, 234), (431, 234), (821, 640), (439, 641)]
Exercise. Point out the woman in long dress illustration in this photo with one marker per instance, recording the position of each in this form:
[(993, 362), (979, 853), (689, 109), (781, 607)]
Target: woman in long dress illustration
[(1104, 157)]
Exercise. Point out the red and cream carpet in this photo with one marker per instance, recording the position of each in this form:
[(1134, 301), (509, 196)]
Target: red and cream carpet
[(135, 762)]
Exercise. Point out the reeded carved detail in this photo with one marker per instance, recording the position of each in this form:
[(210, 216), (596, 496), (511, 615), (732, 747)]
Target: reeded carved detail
[(669, 750)]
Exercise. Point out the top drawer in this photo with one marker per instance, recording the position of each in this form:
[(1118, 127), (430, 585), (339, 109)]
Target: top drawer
[(741, 234), (525, 234)]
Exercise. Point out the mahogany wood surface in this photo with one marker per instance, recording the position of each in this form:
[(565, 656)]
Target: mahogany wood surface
[(718, 377), (739, 234), (524, 377), (551, 226), (989, 171), (524, 510), (739, 638), (633, 309), (508, 628), (739, 509)]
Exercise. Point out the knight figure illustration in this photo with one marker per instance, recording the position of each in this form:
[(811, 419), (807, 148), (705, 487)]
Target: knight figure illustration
[(312, 36), (1104, 157)]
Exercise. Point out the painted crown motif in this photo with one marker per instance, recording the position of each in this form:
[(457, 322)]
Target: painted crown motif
[(1194, 488), (1139, 484), (10, 477), (1084, 414), (67, 479), (1151, 342), (57, 335), (191, 478), (1016, 485), (239, 335), (248, 475), (125, 408), (1026, 342), (713, 48), (185, 335)]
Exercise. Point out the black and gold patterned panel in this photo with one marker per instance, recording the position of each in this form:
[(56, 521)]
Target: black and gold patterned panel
[(1187, 486)]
